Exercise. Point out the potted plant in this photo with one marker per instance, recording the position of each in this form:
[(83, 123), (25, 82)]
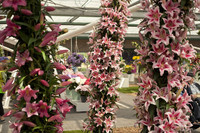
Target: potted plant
[(83, 90), (75, 60)]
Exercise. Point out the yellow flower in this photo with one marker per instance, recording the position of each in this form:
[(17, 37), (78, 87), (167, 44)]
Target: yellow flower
[(136, 57)]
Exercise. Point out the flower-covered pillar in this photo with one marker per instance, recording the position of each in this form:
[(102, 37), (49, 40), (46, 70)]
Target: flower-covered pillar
[(39, 107), (165, 52), (104, 58)]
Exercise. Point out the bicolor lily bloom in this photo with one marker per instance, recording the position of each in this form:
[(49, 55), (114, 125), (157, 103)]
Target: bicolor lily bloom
[(168, 127), (98, 121), (43, 109), (162, 36), (146, 82), (108, 121), (21, 59), (170, 24), (161, 93), (27, 93), (175, 116), (13, 3), (170, 6), (187, 51), (31, 109), (159, 49), (154, 16), (163, 65)]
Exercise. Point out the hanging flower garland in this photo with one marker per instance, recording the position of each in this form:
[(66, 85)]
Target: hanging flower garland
[(165, 53), (39, 107), (104, 58)]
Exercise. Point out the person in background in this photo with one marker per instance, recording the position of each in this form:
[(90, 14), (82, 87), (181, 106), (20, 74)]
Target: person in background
[(2, 82), (193, 89)]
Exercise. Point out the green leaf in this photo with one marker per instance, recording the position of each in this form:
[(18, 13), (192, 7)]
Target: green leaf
[(48, 66), (25, 24), (24, 37), (44, 55), (183, 2), (152, 110), (31, 40), (38, 127)]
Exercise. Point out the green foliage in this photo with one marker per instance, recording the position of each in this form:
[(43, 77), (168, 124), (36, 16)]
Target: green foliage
[(129, 89)]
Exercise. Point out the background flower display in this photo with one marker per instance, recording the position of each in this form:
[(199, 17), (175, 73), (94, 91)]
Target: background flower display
[(165, 53), (39, 108), (75, 59), (104, 58)]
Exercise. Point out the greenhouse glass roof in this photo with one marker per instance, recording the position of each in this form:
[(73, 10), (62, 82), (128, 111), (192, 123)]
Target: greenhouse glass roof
[(74, 14)]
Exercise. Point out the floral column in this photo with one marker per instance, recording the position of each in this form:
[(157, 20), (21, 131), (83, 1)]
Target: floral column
[(104, 58), (165, 53), (39, 107)]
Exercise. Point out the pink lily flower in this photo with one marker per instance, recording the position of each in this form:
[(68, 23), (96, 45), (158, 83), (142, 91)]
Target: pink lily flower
[(16, 127), (21, 59), (108, 121), (173, 80), (175, 116), (35, 71), (168, 127), (170, 24), (37, 49), (160, 117), (43, 108), (31, 109), (176, 48), (159, 49), (65, 83), (161, 93), (59, 128), (28, 123), (162, 36), (59, 66), (55, 117), (13, 3), (49, 38), (163, 65), (55, 27), (11, 28), (146, 82), (27, 93), (26, 12), (8, 113), (60, 90), (154, 16), (44, 82), (9, 85), (63, 106), (63, 51), (171, 6), (187, 51), (37, 27), (98, 121), (66, 77), (49, 8), (19, 115)]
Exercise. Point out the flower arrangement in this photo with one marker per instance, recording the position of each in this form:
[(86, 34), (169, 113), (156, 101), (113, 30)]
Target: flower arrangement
[(130, 69), (164, 52), (83, 89), (75, 59), (39, 108), (104, 58)]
